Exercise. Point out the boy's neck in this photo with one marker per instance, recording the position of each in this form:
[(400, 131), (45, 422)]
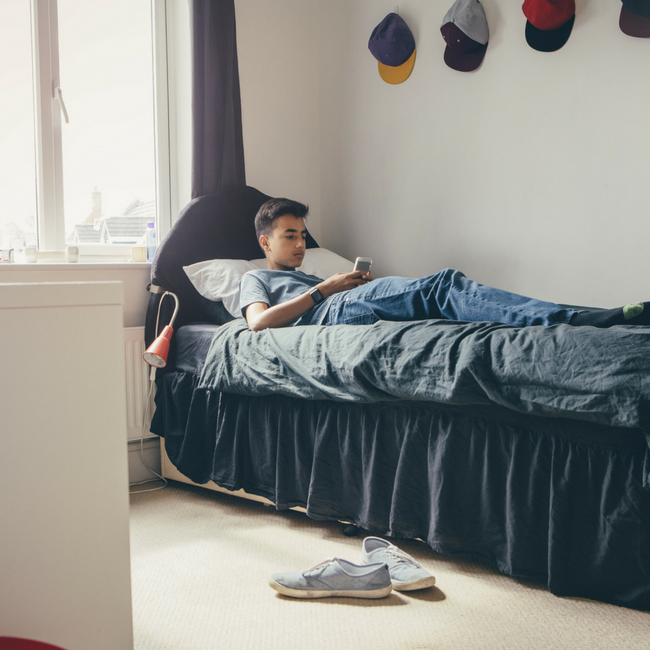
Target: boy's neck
[(273, 266)]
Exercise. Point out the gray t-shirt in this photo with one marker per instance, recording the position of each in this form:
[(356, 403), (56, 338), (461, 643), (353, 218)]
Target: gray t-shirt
[(275, 287)]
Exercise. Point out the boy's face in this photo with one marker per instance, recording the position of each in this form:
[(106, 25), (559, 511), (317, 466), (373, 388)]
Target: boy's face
[(285, 246)]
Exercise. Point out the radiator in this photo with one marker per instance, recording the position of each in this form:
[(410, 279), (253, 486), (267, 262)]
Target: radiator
[(137, 383)]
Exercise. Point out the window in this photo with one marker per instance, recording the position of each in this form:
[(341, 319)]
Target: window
[(78, 161), (17, 163)]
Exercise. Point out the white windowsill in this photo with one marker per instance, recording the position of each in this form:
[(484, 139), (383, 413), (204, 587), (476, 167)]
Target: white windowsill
[(71, 266)]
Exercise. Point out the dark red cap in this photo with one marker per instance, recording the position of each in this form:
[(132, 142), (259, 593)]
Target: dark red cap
[(462, 52), (635, 18)]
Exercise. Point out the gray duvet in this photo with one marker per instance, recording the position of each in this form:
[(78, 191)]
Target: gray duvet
[(560, 371)]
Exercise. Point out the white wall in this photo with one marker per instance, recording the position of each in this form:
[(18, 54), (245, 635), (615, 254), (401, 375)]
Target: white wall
[(278, 71), (278, 64), (529, 174)]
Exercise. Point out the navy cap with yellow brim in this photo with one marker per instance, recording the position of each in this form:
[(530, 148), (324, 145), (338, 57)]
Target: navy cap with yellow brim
[(393, 45), (396, 74)]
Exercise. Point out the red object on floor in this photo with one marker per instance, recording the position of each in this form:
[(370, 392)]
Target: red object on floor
[(14, 643)]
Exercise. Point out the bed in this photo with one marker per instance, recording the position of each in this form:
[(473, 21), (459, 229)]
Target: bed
[(527, 448)]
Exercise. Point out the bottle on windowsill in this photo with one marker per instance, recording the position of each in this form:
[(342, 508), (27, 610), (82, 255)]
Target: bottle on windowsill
[(151, 241)]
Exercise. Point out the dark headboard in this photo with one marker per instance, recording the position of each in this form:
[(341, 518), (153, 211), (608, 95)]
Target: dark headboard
[(215, 226)]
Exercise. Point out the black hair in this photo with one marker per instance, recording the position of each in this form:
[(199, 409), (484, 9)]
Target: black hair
[(274, 209)]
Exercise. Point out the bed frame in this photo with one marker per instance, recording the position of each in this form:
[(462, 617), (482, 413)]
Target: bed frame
[(169, 471)]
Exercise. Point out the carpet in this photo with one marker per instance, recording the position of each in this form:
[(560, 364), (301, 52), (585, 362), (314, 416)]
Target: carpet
[(201, 562)]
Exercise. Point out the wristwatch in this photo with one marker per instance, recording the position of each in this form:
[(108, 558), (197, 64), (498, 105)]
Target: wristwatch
[(316, 296)]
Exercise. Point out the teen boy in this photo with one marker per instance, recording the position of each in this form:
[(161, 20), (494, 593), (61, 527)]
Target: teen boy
[(279, 296)]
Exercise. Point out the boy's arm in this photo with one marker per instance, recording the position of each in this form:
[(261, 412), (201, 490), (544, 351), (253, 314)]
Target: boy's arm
[(260, 316)]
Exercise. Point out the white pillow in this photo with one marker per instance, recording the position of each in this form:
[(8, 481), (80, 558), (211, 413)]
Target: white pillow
[(219, 279), (323, 263)]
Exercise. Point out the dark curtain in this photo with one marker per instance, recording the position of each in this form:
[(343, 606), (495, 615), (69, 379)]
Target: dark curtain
[(218, 147)]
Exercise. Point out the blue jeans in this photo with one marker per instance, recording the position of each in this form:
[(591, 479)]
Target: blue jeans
[(447, 294)]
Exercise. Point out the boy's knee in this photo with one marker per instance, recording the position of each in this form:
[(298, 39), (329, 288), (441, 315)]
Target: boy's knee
[(450, 274)]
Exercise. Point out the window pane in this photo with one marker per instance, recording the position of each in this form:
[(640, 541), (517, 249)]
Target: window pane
[(17, 162), (106, 70)]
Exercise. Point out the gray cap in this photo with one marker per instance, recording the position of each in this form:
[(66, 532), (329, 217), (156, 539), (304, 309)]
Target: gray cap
[(469, 17), (466, 33)]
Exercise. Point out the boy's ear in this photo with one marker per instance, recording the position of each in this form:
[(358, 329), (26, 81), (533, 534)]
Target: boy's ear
[(264, 242)]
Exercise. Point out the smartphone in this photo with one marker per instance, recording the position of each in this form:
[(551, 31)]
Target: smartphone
[(363, 264)]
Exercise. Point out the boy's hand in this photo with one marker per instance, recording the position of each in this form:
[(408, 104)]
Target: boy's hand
[(343, 282)]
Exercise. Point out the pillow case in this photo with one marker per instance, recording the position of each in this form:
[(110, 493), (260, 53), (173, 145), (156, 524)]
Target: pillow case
[(323, 263), (219, 279)]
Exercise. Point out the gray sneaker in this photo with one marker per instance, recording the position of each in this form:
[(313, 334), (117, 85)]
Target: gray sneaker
[(335, 577), (406, 574)]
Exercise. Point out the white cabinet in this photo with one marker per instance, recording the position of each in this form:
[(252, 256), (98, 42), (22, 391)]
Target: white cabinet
[(64, 518)]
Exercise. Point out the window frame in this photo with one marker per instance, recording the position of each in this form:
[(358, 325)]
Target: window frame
[(48, 135)]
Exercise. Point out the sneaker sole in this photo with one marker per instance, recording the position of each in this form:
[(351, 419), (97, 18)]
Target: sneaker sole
[(319, 593), (422, 583)]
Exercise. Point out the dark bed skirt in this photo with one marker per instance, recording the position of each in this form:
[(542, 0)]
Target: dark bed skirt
[(555, 500)]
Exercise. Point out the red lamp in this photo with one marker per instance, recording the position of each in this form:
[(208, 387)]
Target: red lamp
[(156, 354)]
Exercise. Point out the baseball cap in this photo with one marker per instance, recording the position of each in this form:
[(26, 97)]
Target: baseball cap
[(635, 18), (549, 23), (393, 45), (466, 33)]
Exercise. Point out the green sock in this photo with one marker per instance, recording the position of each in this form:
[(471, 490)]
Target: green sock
[(636, 313), (630, 311)]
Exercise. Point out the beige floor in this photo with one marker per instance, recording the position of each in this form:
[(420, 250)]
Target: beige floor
[(201, 561)]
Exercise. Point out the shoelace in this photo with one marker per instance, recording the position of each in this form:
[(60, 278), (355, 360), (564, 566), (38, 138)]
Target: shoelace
[(400, 556), (321, 565)]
